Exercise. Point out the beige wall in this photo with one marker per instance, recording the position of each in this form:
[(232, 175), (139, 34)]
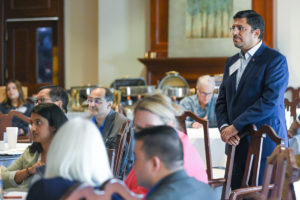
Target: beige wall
[(81, 42), (287, 38), (122, 38)]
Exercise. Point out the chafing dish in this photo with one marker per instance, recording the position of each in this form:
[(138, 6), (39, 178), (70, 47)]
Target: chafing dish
[(174, 85), (79, 96), (135, 91)]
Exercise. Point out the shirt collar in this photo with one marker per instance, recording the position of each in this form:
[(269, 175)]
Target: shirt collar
[(251, 52)]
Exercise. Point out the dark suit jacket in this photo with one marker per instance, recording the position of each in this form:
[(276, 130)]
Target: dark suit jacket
[(179, 185), (112, 127), (259, 98)]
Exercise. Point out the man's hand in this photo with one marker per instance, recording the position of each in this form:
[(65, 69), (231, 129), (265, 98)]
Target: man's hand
[(228, 132), (234, 140), (196, 125)]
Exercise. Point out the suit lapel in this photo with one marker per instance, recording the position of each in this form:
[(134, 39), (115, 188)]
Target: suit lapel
[(250, 67)]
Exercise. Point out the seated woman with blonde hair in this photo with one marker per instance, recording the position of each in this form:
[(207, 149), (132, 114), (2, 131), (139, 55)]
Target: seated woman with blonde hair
[(76, 154)]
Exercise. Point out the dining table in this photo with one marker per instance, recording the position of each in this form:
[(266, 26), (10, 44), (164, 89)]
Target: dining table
[(8, 155), (217, 148)]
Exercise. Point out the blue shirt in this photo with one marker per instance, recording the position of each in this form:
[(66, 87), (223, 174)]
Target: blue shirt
[(192, 103), (99, 127)]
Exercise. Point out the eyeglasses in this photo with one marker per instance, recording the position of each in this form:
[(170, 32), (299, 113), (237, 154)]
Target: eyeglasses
[(95, 100), (204, 94), (239, 28), (43, 100)]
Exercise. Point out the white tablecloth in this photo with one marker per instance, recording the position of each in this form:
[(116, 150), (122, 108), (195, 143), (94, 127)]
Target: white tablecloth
[(217, 146), (20, 148)]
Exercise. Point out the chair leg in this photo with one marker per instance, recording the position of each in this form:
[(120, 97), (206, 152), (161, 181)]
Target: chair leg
[(228, 172)]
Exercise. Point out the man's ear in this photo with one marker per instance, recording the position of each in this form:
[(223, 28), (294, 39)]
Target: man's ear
[(156, 163), (257, 32), (109, 104)]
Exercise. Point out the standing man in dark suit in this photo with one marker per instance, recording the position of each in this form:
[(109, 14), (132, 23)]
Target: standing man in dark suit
[(159, 166), (252, 91)]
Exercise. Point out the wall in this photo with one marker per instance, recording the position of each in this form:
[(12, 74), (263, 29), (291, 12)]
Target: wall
[(287, 38), (123, 38), (81, 42)]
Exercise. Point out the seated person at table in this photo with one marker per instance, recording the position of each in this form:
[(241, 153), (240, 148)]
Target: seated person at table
[(15, 100), (46, 119), (53, 94), (203, 103), (108, 121), (157, 110), (159, 166), (76, 154)]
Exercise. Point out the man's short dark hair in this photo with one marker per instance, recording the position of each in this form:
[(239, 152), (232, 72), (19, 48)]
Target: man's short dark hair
[(163, 142), (253, 19), (108, 95), (57, 93)]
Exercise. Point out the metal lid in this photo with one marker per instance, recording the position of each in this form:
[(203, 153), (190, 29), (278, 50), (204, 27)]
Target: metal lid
[(173, 79)]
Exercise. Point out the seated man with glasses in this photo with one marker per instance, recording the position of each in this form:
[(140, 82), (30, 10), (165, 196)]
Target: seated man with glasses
[(106, 119), (53, 94), (203, 103)]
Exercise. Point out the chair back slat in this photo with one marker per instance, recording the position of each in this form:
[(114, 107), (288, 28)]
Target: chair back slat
[(121, 140), (181, 120)]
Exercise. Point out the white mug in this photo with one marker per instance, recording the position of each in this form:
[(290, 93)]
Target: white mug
[(12, 136)]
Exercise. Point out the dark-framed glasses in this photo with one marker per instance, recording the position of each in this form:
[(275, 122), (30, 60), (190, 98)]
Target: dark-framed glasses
[(239, 28), (44, 100), (95, 100), (204, 94)]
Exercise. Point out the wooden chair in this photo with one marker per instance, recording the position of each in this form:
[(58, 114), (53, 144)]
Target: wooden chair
[(292, 93), (181, 120), (6, 121), (121, 140), (111, 157), (280, 174), (252, 164), (113, 186), (292, 106)]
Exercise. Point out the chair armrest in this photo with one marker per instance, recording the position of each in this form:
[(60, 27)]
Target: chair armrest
[(250, 192), (216, 182)]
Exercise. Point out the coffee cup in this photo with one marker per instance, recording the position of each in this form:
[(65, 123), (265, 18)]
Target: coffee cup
[(12, 136)]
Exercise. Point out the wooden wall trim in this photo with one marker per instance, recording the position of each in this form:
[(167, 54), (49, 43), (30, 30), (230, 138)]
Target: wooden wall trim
[(1, 43), (265, 9)]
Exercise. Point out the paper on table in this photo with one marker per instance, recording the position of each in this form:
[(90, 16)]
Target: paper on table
[(15, 195)]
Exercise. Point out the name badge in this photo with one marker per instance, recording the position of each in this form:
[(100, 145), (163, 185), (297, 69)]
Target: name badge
[(234, 67)]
